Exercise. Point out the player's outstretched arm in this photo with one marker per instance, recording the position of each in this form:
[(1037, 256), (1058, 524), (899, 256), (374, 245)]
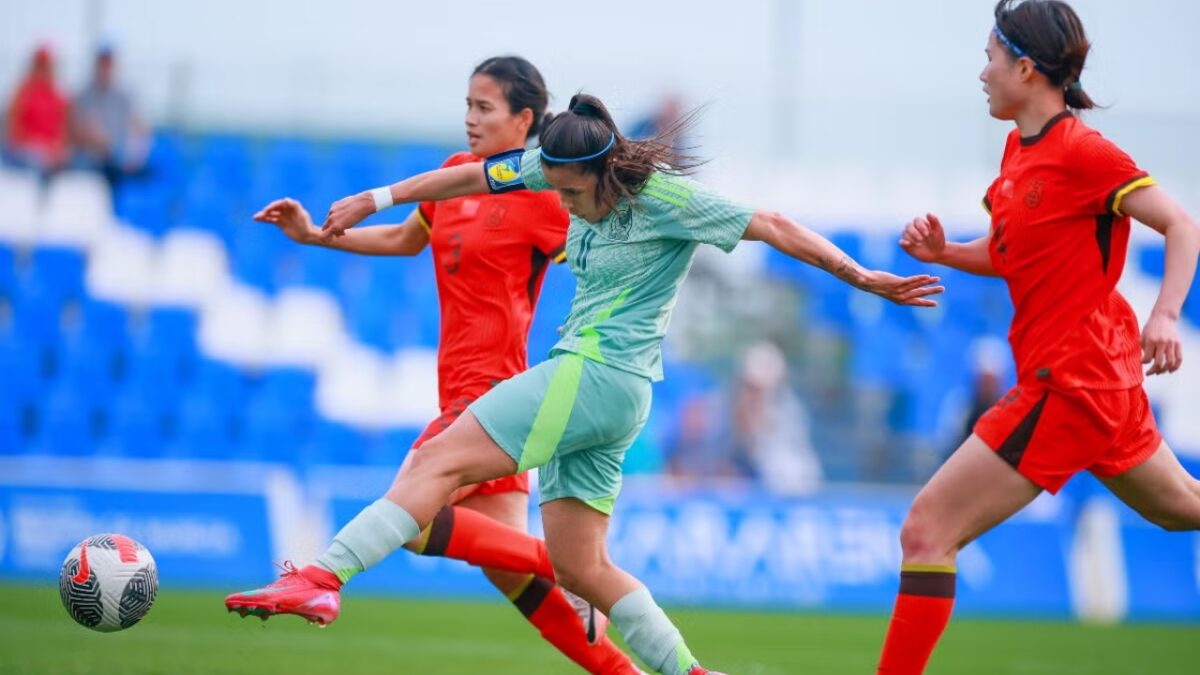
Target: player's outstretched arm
[(1152, 206), (803, 244), (290, 216), (431, 186), (925, 239)]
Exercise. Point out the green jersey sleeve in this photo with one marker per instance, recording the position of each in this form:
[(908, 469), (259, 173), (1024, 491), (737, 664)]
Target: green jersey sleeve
[(698, 213)]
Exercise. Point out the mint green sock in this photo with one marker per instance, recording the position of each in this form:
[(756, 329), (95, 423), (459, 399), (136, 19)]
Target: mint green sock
[(369, 537), (650, 634)]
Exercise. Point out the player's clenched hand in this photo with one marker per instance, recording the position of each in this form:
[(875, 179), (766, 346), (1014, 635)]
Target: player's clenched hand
[(924, 238), (914, 290), (346, 213), (291, 217), (1160, 345)]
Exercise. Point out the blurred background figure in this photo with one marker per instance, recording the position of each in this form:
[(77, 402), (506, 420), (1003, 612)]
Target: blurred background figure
[(35, 129), (768, 433), (987, 384), (666, 113), (107, 133)]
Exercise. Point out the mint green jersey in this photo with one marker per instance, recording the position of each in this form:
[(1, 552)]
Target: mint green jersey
[(629, 266)]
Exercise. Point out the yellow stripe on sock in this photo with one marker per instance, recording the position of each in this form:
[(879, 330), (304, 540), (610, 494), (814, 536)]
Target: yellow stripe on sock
[(419, 548), (920, 567), (516, 592)]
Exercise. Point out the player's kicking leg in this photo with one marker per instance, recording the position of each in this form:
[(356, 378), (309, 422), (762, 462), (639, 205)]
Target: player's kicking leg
[(466, 455)]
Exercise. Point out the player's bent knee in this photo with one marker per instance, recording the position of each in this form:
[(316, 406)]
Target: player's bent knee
[(920, 540)]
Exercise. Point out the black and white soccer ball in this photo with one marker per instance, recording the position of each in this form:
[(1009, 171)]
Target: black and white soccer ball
[(108, 582)]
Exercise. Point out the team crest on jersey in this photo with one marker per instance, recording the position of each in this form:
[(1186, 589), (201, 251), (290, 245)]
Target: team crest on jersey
[(1033, 196), (622, 224), (504, 171)]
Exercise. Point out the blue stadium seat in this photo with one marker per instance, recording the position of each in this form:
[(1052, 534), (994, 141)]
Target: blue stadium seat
[(221, 381), (88, 367), (292, 387), (204, 425), (135, 427), (227, 158), (8, 272), (37, 316), (392, 447), (12, 438), (58, 272), (255, 254), (274, 430), (1150, 260), (145, 205), (335, 443), (104, 323), (65, 424), (21, 363), (356, 163), (157, 373)]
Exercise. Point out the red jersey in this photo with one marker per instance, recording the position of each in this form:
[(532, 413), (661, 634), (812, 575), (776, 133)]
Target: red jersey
[(1059, 239), (39, 117), (490, 253)]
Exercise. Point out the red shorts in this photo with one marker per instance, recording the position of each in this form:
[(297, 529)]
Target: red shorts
[(1049, 435), (518, 482)]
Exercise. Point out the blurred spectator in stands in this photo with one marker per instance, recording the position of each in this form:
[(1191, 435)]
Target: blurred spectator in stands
[(693, 451), (35, 131), (989, 354), (769, 431), (667, 114), (108, 134)]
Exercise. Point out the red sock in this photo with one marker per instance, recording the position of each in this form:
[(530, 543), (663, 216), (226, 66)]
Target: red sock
[(463, 534), (545, 606), (922, 611)]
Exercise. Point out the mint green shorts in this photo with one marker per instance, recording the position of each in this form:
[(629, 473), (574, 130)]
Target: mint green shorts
[(574, 418)]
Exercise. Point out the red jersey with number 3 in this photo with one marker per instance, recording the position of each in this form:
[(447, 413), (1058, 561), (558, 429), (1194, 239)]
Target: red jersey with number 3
[(490, 254), (1059, 239)]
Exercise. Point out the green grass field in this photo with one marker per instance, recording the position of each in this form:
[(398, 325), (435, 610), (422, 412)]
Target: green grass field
[(189, 632)]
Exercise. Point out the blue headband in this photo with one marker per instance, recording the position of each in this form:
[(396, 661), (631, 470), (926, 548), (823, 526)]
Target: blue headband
[(1020, 53), (612, 140)]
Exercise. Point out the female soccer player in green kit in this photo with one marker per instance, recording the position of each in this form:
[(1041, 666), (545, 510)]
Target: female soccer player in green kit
[(635, 227)]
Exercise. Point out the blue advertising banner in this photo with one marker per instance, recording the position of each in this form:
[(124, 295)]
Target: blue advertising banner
[(200, 530)]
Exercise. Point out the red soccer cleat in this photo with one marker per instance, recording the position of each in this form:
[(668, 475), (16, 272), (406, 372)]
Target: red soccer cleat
[(311, 593)]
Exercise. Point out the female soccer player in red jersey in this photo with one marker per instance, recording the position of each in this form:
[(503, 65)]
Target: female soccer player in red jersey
[(491, 254), (1061, 211)]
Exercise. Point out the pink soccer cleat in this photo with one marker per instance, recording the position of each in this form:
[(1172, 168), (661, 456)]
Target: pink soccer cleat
[(311, 593)]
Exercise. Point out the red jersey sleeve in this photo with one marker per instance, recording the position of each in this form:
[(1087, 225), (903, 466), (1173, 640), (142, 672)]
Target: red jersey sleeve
[(1106, 174), (426, 211), (549, 232)]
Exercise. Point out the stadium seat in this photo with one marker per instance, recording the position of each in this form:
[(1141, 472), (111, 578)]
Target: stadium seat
[(135, 427), (1150, 259), (104, 323), (86, 366), (78, 209), (120, 267), (8, 272), (12, 438), (334, 443), (57, 271), (204, 425), (191, 268), (304, 327), (21, 362), (20, 194), (227, 158), (37, 316), (236, 329), (64, 424)]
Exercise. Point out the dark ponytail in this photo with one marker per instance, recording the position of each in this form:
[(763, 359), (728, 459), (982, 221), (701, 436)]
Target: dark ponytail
[(1051, 35), (587, 128), (523, 87)]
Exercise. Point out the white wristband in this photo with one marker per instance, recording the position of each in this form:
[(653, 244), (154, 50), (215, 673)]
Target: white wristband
[(383, 198)]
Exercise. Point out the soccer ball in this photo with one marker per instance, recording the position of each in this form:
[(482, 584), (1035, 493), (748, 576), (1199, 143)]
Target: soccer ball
[(108, 582)]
